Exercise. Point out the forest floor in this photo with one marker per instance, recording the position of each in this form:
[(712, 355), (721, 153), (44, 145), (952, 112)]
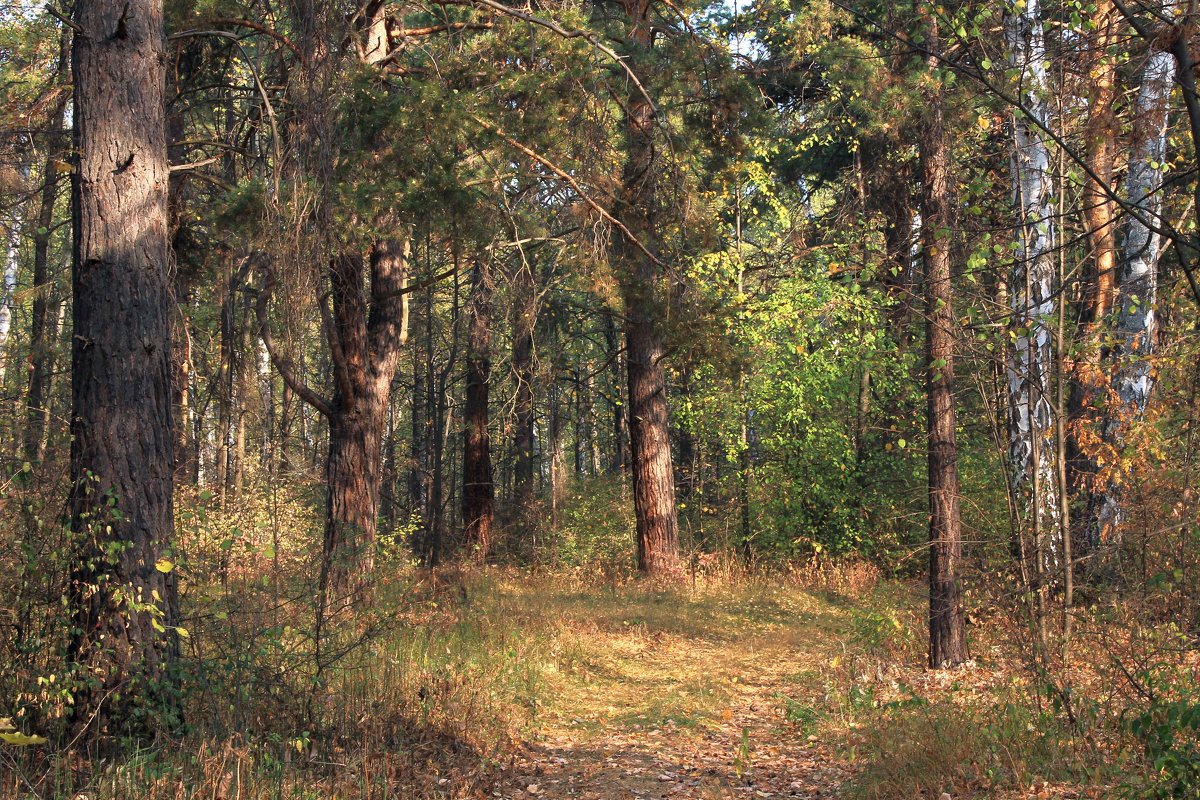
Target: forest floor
[(771, 689), (700, 695)]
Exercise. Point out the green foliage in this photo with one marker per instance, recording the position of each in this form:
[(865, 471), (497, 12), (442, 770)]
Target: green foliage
[(596, 527), (1169, 730)]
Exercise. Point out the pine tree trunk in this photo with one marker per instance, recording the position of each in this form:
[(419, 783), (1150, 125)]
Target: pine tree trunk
[(352, 475), (652, 469), (123, 587), (524, 322), (1087, 374), (947, 622), (478, 490), (365, 343)]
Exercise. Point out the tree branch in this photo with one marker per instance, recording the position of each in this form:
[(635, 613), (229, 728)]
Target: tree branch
[(282, 363), (564, 175)]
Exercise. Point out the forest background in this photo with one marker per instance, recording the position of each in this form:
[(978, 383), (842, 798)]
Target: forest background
[(355, 358)]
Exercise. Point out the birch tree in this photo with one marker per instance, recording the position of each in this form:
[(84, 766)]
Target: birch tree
[(1141, 247), (1032, 279)]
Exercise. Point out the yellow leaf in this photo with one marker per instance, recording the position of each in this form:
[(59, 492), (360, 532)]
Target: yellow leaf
[(21, 740), (164, 565)]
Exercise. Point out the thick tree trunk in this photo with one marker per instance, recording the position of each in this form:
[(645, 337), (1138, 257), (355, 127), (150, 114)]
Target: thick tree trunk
[(947, 619), (123, 588), (650, 446), (365, 342), (652, 469), (1032, 291), (1136, 327), (478, 490), (352, 475)]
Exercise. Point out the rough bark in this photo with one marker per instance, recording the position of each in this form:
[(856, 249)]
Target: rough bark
[(478, 489), (947, 619), (652, 470), (123, 591), (365, 342), (1033, 288)]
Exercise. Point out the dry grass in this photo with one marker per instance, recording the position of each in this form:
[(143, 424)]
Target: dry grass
[(462, 678)]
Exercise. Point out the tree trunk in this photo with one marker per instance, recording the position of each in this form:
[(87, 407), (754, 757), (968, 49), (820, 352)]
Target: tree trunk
[(524, 323), (1032, 291), (947, 622), (649, 438), (123, 588), (1087, 375), (365, 344), (478, 490), (41, 343), (1136, 326), (352, 475)]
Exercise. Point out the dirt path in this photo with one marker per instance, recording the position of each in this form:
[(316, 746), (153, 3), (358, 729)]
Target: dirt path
[(714, 700)]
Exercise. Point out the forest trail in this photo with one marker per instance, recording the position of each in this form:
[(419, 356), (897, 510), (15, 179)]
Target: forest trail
[(700, 697)]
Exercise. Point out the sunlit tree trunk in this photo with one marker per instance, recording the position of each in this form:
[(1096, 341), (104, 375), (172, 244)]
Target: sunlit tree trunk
[(651, 463), (947, 618), (123, 588), (1032, 291), (1087, 375), (1138, 283)]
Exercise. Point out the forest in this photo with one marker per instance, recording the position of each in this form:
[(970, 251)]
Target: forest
[(599, 399)]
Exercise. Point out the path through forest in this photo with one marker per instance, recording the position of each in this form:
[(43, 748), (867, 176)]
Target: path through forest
[(713, 699)]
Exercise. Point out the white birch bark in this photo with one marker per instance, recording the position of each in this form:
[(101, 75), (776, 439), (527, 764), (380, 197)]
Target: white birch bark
[(1137, 278), (1031, 353)]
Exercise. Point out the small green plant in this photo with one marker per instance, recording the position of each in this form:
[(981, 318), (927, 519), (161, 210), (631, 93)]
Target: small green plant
[(802, 715), (1169, 730), (741, 762)]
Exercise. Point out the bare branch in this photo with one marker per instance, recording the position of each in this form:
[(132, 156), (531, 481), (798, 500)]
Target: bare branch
[(282, 362)]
